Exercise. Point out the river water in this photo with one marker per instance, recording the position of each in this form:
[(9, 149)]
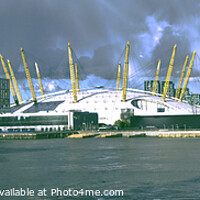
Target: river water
[(144, 168)]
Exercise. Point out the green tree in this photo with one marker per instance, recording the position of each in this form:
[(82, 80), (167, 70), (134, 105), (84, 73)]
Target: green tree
[(122, 124)]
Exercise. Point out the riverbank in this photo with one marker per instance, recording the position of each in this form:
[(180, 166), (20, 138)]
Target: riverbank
[(97, 134), (36, 135)]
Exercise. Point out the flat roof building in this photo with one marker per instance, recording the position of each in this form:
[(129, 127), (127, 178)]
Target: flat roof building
[(48, 121), (148, 86), (170, 91), (4, 95)]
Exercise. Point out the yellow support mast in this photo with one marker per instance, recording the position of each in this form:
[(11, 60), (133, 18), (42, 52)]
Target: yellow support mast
[(169, 74), (15, 83), (39, 80), (181, 78), (156, 78), (29, 77), (125, 78), (8, 77), (187, 76), (119, 76), (72, 75), (77, 80)]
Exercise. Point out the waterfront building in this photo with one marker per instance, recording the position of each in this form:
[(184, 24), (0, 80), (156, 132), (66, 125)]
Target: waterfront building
[(4, 95), (52, 112), (48, 121), (195, 99), (148, 86), (187, 96), (170, 91)]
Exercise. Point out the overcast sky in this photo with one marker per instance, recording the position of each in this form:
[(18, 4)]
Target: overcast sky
[(98, 31)]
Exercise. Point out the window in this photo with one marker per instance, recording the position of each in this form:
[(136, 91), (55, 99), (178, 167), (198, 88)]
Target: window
[(160, 109)]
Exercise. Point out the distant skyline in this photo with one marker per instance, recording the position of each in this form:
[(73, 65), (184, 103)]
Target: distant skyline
[(98, 31)]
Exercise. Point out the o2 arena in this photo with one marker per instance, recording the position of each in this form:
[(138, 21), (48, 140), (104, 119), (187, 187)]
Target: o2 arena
[(142, 108)]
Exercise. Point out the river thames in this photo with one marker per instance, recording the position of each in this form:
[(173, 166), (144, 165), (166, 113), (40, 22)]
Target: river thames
[(144, 168)]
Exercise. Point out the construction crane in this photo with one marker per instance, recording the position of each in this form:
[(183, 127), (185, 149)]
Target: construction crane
[(125, 77), (169, 74), (187, 76), (15, 83), (8, 77), (181, 78), (29, 77), (119, 76), (39, 80), (156, 78), (72, 75)]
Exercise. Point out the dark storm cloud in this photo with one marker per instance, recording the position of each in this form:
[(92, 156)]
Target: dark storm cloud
[(103, 62), (168, 41), (97, 30)]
